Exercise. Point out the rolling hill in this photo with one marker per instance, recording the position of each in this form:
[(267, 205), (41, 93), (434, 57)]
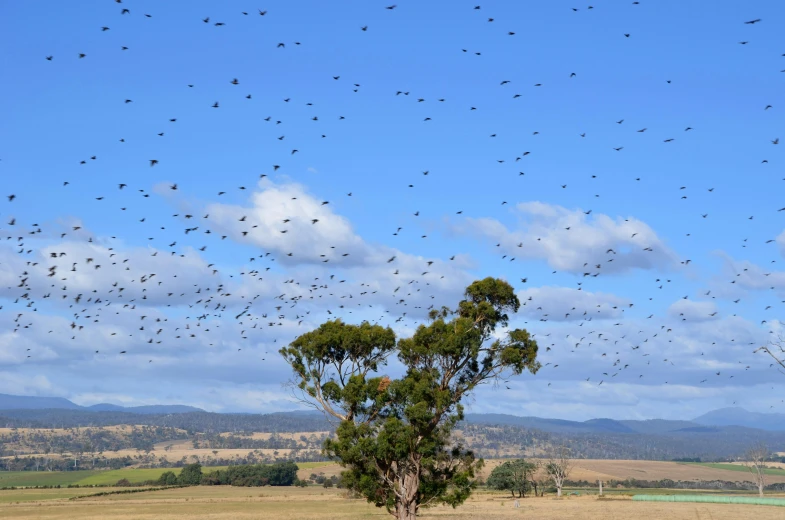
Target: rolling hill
[(718, 435), (741, 417), (22, 402)]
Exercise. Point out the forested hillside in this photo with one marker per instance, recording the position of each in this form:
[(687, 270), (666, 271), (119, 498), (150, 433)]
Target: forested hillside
[(301, 434), (192, 422)]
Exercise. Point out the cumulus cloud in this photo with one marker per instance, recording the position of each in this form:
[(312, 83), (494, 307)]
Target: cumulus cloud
[(280, 218), (692, 310), (567, 304), (23, 384), (146, 276), (222, 322), (171, 315), (738, 277), (571, 240), (332, 255)]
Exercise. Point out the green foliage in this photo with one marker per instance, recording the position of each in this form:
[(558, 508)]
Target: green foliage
[(281, 473), (253, 475), (167, 478), (394, 435), (513, 475), (190, 475)]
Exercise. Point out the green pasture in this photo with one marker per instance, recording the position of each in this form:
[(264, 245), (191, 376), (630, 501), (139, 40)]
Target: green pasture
[(102, 477), (313, 465)]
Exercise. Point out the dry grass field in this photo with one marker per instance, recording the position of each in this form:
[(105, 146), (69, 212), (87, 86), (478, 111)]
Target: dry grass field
[(592, 470), (174, 454), (225, 503), (283, 435), (175, 450), (121, 428), (589, 470)]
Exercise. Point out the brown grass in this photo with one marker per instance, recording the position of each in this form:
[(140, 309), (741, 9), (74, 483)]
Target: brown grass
[(225, 503), (121, 428), (175, 454), (172, 451), (20, 439), (266, 435), (592, 470)]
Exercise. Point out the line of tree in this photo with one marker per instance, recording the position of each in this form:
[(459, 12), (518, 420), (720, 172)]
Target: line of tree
[(53, 462), (191, 422), (516, 476), (251, 475), (522, 476)]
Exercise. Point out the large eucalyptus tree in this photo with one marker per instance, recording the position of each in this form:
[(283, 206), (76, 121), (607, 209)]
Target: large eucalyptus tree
[(394, 435)]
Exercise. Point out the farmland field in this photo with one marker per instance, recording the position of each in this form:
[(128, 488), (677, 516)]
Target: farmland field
[(584, 469), (316, 503), (81, 478), (38, 495), (739, 467), (596, 469), (133, 475)]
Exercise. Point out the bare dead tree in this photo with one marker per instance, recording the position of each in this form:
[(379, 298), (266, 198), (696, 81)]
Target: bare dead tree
[(755, 460), (558, 467), (539, 479), (776, 350)]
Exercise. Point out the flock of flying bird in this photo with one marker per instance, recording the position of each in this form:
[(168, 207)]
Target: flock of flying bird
[(51, 272)]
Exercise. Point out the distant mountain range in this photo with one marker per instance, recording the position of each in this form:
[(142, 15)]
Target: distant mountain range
[(654, 426), (710, 423), (740, 416), (715, 421), (718, 435), (21, 402)]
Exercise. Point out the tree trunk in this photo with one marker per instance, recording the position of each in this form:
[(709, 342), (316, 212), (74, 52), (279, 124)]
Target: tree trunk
[(406, 505), (558, 490), (760, 489)]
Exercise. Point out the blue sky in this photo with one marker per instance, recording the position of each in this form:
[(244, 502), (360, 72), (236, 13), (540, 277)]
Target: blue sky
[(682, 66)]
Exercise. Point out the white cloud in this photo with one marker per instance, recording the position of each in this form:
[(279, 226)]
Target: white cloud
[(23, 384), (573, 241), (566, 304), (738, 277), (191, 333), (280, 220), (692, 310)]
